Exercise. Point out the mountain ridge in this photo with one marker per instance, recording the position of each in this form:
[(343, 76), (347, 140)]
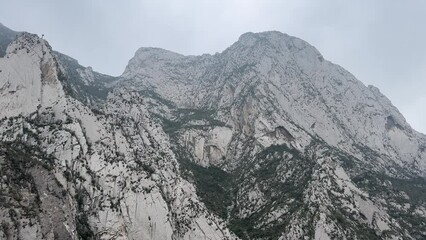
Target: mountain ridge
[(6, 36), (293, 59), (266, 140)]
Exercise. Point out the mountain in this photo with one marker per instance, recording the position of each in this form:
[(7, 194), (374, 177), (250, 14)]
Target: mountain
[(6, 37), (266, 140)]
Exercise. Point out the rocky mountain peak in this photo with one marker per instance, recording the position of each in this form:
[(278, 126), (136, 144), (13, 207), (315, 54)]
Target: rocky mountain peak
[(29, 43), (145, 53), (265, 140), (260, 52), (251, 48), (272, 70), (274, 38), (150, 57), (274, 43), (30, 56)]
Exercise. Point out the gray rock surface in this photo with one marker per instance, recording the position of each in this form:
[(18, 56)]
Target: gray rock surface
[(266, 140)]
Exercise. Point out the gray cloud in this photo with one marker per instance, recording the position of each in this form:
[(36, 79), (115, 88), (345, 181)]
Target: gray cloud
[(380, 42)]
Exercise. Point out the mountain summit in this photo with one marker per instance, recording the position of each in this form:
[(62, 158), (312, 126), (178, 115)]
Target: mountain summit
[(266, 140)]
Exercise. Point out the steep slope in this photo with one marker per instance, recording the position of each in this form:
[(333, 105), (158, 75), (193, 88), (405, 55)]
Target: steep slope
[(71, 173), (82, 83), (266, 140), (309, 149), (6, 37), (287, 78)]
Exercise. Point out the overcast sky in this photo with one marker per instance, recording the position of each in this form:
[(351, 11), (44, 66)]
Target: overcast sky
[(382, 43)]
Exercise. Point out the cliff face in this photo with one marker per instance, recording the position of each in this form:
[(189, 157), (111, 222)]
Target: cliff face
[(268, 78), (108, 172), (266, 140), (305, 143)]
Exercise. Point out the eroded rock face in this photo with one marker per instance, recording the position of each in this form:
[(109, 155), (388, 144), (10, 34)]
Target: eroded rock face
[(266, 140), (275, 78), (310, 150), (105, 175)]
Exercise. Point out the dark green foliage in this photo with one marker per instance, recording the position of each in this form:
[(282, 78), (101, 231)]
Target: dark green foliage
[(213, 184), (5, 229), (74, 85), (213, 187), (147, 168), (367, 152), (83, 228), (241, 227), (19, 161), (16, 168), (264, 169), (184, 115), (218, 189), (16, 175), (246, 228), (170, 126), (374, 183), (414, 187), (154, 95), (68, 175), (382, 185), (143, 166), (82, 222)]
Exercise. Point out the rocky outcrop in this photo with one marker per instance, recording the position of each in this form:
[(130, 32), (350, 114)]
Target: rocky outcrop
[(294, 128), (109, 172), (266, 140)]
